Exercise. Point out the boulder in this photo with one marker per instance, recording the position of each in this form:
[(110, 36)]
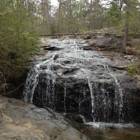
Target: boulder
[(42, 45), (87, 36), (104, 42), (51, 48), (21, 121)]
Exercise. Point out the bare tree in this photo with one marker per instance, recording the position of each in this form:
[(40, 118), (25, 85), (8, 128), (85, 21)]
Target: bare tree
[(126, 24), (93, 9), (45, 11), (59, 15)]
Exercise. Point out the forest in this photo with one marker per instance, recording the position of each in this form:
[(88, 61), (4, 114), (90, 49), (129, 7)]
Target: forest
[(22, 21)]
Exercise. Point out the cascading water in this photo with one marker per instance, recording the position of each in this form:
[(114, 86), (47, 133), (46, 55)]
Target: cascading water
[(65, 95), (32, 79), (72, 80), (91, 94), (118, 100)]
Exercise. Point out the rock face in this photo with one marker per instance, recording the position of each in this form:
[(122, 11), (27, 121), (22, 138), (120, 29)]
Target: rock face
[(104, 42), (21, 121), (72, 80)]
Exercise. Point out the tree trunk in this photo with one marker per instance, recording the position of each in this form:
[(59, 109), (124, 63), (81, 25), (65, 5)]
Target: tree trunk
[(126, 24), (94, 7), (59, 17)]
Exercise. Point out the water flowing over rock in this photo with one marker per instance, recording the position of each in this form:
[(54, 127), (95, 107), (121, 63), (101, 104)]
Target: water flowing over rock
[(73, 80)]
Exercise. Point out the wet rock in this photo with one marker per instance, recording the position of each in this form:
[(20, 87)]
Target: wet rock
[(135, 40), (44, 45), (79, 118), (51, 48), (88, 36), (106, 42), (20, 121)]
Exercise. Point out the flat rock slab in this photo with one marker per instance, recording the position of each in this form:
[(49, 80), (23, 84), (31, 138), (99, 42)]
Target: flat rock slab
[(22, 121), (104, 42)]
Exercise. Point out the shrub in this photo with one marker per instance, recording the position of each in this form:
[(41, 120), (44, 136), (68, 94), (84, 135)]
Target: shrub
[(133, 69)]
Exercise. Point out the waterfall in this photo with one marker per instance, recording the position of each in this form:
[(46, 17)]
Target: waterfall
[(72, 80), (91, 93), (118, 100), (65, 94), (32, 79), (31, 84)]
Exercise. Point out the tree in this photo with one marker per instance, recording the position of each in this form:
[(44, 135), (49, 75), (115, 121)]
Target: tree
[(114, 13), (134, 18), (59, 15), (17, 41), (94, 7), (126, 24), (45, 13)]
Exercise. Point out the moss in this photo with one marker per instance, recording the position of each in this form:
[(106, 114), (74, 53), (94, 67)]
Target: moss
[(132, 69)]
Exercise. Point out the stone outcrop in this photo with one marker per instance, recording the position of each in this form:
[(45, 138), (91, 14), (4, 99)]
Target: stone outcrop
[(104, 42), (22, 121)]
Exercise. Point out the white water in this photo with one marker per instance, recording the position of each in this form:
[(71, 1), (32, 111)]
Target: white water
[(65, 94), (103, 125), (83, 118), (118, 95), (91, 92), (32, 79)]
